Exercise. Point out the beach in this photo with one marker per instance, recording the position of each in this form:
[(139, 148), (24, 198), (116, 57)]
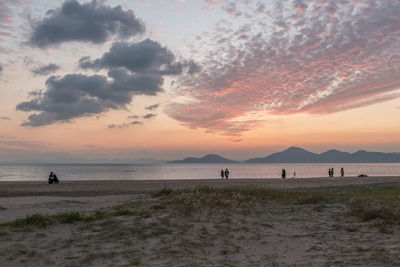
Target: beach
[(126, 187), (143, 223)]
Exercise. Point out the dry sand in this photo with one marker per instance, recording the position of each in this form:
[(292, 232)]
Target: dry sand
[(271, 235)]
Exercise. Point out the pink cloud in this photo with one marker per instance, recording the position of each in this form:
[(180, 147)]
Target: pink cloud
[(319, 57)]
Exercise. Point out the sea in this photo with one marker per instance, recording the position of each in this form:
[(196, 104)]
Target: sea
[(84, 172)]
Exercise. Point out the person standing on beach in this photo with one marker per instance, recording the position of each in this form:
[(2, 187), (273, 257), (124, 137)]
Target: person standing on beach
[(226, 173), (222, 174), (283, 173), (330, 173), (342, 172)]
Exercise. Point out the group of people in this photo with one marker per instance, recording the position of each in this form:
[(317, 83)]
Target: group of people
[(53, 179), (331, 172), (225, 173), (284, 174)]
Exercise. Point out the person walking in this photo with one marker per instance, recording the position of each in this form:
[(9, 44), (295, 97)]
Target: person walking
[(222, 174), (226, 173), (283, 174), (342, 172)]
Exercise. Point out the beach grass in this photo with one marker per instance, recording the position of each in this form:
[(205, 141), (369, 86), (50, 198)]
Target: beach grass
[(170, 226), (367, 204)]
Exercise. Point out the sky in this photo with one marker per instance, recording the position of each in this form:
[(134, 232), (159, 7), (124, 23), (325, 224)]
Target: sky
[(115, 80)]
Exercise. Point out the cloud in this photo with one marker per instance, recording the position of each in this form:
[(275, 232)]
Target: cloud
[(90, 22), (133, 117), (124, 125), (144, 57), (8, 11), (1, 68), (292, 57), (119, 126), (152, 107), (139, 72), (77, 95), (149, 116), (232, 10), (6, 16), (5, 118), (45, 70)]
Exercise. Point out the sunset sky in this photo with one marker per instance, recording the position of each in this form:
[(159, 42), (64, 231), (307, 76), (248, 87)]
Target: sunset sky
[(165, 79)]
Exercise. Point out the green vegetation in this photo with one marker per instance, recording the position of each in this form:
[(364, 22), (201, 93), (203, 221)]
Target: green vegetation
[(188, 201), (376, 203)]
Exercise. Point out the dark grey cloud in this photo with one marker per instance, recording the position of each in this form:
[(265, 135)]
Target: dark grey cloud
[(133, 117), (133, 69), (5, 118), (90, 22), (77, 95), (45, 70), (144, 57), (152, 107), (149, 116)]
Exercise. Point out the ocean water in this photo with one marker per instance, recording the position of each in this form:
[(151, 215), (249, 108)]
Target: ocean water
[(81, 172)]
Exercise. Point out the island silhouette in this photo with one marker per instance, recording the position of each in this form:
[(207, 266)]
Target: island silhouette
[(299, 155)]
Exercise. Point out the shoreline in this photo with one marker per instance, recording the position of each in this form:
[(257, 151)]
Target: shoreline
[(129, 187)]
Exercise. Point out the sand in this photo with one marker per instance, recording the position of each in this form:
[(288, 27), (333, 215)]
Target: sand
[(103, 188), (272, 235)]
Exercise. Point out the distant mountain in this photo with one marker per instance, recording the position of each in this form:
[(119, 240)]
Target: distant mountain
[(210, 158), (292, 154), (334, 156), (299, 155)]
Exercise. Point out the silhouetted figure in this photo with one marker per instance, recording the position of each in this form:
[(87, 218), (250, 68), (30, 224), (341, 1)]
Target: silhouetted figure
[(342, 172), (283, 173), (222, 174), (330, 173), (226, 173), (53, 178), (294, 174)]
